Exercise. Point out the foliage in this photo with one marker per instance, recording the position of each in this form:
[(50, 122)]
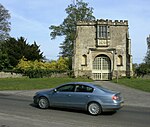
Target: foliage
[(4, 61), (60, 64), (142, 69), (75, 12), (147, 57), (4, 23), (134, 67), (39, 69), (16, 49)]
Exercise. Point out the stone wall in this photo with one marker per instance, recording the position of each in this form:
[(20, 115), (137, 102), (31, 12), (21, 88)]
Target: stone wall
[(10, 75)]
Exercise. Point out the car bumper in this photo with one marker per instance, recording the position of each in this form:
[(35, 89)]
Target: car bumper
[(113, 107)]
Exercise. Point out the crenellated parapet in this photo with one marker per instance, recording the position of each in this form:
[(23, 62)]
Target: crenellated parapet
[(86, 23), (103, 22)]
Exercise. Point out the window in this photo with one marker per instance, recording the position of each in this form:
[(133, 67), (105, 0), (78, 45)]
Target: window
[(66, 88), (101, 63), (103, 31), (105, 63), (83, 88)]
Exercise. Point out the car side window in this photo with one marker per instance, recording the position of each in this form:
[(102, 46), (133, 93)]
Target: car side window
[(83, 88), (66, 88)]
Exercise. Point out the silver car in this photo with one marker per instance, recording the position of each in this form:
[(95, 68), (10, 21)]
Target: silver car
[(80, 95)]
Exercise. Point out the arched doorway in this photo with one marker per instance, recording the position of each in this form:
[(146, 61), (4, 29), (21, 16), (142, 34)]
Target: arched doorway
[(101, 68)]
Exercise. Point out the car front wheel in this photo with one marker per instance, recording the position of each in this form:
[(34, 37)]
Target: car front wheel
[(94, 108), (43, 103)]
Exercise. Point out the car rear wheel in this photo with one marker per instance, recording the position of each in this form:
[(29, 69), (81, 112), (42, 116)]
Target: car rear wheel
[(94, 108), (43, 103)]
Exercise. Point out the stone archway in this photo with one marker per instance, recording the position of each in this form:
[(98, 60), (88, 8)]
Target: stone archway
[(101, 68)]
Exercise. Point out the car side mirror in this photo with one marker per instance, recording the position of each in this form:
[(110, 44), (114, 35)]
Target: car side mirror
[(55, 90)]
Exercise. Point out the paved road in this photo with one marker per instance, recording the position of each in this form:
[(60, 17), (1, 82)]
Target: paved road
[(18, 111)]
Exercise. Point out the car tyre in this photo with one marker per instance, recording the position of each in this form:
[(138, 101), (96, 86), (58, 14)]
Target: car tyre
[(43, 103), (94, 108)]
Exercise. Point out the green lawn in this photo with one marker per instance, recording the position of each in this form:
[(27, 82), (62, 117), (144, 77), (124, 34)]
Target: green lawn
[(44, 83), (137, 83), (35, 83)]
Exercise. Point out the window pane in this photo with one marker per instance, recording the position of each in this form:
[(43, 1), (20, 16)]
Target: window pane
[(82, 88), (67, 88), (102, 31)]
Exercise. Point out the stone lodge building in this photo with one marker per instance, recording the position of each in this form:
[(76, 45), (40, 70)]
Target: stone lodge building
[(102, 50)]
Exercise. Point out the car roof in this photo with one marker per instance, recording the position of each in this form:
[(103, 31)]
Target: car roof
[(81, 83)]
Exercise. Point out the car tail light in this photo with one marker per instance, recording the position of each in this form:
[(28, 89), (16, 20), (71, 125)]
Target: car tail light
[(115, 97)]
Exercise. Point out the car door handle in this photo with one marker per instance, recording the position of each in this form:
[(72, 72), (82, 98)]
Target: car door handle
[(88, 96), (69, 95)]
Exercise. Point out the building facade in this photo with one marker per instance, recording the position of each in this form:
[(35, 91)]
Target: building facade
[(102, 50)]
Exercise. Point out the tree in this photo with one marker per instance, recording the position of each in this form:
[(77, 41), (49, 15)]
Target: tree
[(143, 69), (147, 57), (4, 23), (16, 49), (62, 64), (4, 61), (76, 12)]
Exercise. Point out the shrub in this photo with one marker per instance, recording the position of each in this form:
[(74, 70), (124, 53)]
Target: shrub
[(40, 69)]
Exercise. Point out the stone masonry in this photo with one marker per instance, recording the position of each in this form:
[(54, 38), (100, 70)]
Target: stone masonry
[(102, 50)]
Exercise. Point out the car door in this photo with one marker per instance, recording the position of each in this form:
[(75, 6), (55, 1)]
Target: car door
[(81, 96), (61, 97)]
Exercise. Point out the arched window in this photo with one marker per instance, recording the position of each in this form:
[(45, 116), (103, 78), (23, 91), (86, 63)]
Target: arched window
[(120, 60), (84, 60)]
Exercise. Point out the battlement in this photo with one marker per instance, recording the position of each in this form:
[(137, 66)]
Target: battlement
[(104, 22), (86, 23), (110, 22)]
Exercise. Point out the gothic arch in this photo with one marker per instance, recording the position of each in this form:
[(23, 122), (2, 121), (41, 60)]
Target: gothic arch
[(101, 69)]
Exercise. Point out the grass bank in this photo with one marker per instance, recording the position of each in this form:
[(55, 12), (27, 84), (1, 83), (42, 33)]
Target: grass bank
[(35, 83), (45, 83), (137, 83)]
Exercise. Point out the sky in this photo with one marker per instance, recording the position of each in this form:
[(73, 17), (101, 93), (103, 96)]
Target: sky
[(31, 19)]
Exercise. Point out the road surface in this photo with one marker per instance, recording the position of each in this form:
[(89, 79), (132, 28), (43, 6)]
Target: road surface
[(19, 111)]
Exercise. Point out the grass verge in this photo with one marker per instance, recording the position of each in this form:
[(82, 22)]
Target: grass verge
[(35, 83), (137, 83), (45, 83)]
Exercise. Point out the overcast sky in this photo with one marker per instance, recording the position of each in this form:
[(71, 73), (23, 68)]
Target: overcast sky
[(32, 18)]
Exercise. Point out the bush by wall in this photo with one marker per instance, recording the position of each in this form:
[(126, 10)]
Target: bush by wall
[(40, 69)]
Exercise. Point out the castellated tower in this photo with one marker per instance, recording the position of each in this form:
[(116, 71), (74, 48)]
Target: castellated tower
[(102, 50)]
